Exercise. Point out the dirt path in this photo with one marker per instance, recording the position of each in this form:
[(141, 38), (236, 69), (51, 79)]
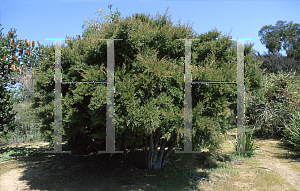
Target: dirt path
[(11, 171), (10, 180), (272, 157)]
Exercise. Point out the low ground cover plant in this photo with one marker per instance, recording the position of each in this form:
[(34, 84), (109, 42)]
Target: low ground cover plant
[(249, 143)]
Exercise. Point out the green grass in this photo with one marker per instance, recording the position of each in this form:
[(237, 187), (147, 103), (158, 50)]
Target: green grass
[(10, 152), (7, 152)]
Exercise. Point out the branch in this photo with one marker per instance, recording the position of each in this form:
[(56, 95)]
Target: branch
[(156, 141), (167, 153), (150, 154), (162, 150), (146, 151)]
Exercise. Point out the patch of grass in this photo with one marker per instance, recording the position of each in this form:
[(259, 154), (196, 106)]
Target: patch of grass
[(10, 152), (246, 176), (30, 136)]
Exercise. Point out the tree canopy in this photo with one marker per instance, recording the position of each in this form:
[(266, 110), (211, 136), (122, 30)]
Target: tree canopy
[(284, 36), (15, 55), (149, 86)]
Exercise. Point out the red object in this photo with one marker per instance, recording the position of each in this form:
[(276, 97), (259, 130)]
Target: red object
[(12, 42), (14, 58), (4, 57), (27, 52), (36, 48), (11, 33), (32, 43)]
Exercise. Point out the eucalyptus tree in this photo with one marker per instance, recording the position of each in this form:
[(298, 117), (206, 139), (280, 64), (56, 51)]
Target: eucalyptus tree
[(282, 36)]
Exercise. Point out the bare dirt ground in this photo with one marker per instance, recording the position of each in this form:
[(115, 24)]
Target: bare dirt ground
[(11, 171), (68, 172), (98, 172)]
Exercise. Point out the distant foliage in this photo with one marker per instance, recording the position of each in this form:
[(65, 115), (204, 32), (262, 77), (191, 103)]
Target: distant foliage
[(276, 63), (271, 113), (282, 36)]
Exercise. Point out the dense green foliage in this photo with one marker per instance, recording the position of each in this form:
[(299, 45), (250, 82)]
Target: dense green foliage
[(149, 86), (6, 106), (282, 36), (275, 110), (17, 57), (276, 63), (280, 79), (292, 132)]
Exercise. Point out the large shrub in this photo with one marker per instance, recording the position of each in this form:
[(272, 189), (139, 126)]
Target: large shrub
[(149, 86)]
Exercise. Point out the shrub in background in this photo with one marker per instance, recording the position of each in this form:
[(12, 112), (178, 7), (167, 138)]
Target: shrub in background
[(292, 133), (16, 56), (271, 113), (276, 63), (292, 130)]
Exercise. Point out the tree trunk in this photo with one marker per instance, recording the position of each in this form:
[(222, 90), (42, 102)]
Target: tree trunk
[(154, 158)]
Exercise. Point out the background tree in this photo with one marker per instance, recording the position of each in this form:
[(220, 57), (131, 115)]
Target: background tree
[(280, 71), (282, 36), (6, 106), (149, 70), (15, 57), (26, 123)]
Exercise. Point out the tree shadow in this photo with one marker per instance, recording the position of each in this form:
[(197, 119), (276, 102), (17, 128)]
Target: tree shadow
[(7, 152), (290, 154), (79, 172), (95, 171), (92, 172)]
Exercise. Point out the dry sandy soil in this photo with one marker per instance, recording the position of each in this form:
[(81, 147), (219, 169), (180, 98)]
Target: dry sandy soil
[(71, 172)]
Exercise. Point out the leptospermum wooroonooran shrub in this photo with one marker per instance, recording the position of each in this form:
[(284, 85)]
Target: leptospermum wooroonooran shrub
[(149, 71)]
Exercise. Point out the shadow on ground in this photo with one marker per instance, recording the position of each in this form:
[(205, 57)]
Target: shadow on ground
[(290, 154), (104, 172)]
